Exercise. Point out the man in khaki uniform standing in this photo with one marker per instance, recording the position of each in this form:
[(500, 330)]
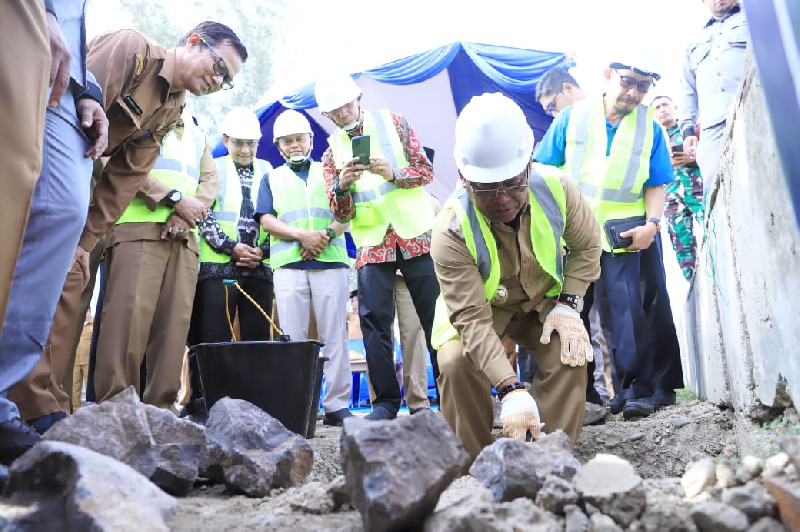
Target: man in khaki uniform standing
[(498, 256), (144, 90)]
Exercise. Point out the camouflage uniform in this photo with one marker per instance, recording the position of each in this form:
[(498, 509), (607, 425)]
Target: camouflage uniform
[(683, 202)]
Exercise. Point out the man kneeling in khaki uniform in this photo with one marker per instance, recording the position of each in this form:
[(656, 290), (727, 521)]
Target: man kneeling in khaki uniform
[(497, 250)]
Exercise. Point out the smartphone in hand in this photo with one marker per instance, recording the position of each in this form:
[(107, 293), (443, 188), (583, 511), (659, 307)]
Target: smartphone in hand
[(677, 148), (361, 148)]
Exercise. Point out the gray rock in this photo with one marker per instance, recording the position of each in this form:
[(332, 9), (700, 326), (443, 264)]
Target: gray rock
[(699, 475), (479, 515), (594, 414), (340, 492), (153, 441), (715, 516), (511, 468), (791, 446), (726, 474), (743, 475), (766, 524), (603, 523), (252, 452), (75, 488), (754, 500), (679, 422), (775, 464), (753, 464), (311, 498), (396, 470), (666, 517), (576, 520), (556, 493), (610, 484), (179, 444)]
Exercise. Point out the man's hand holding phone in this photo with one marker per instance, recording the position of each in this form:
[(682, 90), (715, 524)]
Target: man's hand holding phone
[(351, 172)]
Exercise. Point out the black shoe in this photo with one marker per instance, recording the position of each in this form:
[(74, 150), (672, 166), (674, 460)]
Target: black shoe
[(336, 419), (41, 424), (638, 408), (616, 404), (663, 399), (16, 437), (380, 412)]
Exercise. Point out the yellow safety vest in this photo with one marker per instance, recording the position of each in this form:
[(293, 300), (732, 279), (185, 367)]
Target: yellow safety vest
[(228, 205), (379, 203), (304, 205), (177, 167), (548, 218), (612, 183)]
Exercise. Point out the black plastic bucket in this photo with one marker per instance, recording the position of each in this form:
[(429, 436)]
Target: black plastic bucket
[(312, 414), (278, 377)]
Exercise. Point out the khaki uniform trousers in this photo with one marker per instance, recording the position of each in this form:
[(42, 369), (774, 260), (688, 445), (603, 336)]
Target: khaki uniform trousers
[(146, 311), (466, 400), (25, 66), (414, 348)]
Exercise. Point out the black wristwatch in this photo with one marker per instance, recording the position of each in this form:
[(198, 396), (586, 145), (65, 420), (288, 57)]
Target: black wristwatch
[(172, 198), (576, 302), (330, 232)]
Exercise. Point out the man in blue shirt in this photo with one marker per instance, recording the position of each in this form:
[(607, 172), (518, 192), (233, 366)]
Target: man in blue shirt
[(622, 175)]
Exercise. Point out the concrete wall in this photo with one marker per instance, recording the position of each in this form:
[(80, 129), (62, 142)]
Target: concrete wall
[(741, 334)]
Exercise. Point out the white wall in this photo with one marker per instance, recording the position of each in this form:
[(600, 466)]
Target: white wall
[(741, 332)]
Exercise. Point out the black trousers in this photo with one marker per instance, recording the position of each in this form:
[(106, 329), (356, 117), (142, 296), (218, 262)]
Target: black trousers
[(376, 311), (210, 324)]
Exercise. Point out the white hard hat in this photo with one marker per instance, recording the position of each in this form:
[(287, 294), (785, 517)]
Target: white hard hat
[(290, 122), (493, 139), (643, 63), (335, 91), (241, 123)]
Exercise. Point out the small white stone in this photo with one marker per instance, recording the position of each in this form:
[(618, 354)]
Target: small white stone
[(775, 464), (753, 464)]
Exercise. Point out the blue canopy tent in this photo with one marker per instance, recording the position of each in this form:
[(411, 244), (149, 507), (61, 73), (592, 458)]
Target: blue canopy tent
[(429, 89)]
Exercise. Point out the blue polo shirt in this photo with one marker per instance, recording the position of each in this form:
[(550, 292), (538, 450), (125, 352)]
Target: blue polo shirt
[(553, 146)]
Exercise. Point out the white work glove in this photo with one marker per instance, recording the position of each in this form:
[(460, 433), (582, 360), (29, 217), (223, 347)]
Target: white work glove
[(576, 348), (520, 416)]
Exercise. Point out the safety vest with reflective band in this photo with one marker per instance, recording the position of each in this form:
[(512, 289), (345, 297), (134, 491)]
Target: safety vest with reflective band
[(379, 203), (228, 205), (613, 184), (548, 215), (177, 167), (303, 205)]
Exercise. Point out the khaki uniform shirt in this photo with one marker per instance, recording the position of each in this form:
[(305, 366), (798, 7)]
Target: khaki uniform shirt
[(479, 322), (152, 190), (136, 75)]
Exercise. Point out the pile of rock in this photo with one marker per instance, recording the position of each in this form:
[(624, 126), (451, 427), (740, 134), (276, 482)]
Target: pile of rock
[(101, 467)]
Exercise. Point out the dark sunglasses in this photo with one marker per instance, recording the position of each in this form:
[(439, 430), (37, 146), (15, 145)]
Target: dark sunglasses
[(551, 107), (220, 68), (629, 82)]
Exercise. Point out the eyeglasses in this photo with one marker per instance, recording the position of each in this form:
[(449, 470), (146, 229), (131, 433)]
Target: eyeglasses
[(220, 67), (551, 107), (510, 187), (239, 143), (629, 82)]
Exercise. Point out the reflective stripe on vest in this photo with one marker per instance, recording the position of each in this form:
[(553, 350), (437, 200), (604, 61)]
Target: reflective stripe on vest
[(303, 205), (612, 181), (377, 202), (548, 212), (177, 167), (228, 205)]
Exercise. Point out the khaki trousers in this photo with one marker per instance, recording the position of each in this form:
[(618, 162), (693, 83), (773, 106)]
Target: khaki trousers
[(413, 346), (25, 66), (466, 400), (146, 310)]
